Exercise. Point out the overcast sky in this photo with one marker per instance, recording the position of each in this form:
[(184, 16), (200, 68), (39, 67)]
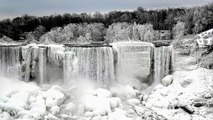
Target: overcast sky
[(13, 8)]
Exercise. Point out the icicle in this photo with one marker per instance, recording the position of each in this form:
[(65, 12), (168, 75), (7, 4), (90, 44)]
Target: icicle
[(55, 55)]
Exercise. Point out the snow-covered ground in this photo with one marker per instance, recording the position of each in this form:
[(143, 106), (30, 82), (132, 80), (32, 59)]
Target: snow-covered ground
[(185, 95)]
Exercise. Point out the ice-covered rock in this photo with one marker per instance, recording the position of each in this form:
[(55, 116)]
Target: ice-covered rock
[(133, 101), (88, 114), (185, 94), (55, 110), (98, 105), (80, 109), (118, 114), (54, 96), (166, 81), (51, 117), (38, 107), (71, 108), (103, 93), (5, 116), (21, 98), (124, 92), (115, 102)]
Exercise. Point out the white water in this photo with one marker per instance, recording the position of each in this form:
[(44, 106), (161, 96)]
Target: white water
[(127, 63), (42, 65), (10, 61), (162, 62), (69, 67), (95, 64), (134, 63)]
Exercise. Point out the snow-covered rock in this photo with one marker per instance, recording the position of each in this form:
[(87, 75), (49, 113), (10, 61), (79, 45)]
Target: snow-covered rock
[(5, 116), (166, 81), (54, 96), (98, 105), (115, 102), (118, 114), (124, 92), (103, 93), (184, 96), (55, 110), (133, 101), (71, 108)]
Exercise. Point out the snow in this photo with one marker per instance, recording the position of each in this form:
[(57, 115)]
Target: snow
[(166, 81), (174, 100), (118, 114), (187, 86), (54, 96)]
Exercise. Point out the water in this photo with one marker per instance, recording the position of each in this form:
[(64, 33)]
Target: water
[(10, 60), (127, 63), (95, 64), (42, 58), (162, 62)]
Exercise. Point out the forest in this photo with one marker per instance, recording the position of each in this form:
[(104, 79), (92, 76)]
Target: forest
[(180, 21)]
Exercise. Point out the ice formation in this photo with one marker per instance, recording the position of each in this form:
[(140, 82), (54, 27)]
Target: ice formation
[(100, 83)]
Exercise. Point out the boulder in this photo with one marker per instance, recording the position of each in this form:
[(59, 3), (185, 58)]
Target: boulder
[(54, 96), (199, 102), (166, 81), (55, 110), (133, 101), (103, 93), (118, 114), (71, 108), (115, 102)]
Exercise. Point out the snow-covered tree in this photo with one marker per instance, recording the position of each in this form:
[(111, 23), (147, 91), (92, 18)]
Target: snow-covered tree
[(135, 33), (146, 32), (179, 30), (119, 32)]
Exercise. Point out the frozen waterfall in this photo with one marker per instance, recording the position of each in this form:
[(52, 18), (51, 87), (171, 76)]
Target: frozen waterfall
[(10, 60), (134, 63), (162, 62), (93, 63), (137, 64)]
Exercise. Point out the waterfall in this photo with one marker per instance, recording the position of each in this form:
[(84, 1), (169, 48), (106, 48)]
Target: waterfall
[(55, 54), (95, 64), (162, 62), (10, 61), (127, 63), (27, 63), (54, 65), (133, 63), (69, 67), (42, 65)]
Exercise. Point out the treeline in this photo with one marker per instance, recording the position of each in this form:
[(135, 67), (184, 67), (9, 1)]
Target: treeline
[(96, 32), (196, 20)]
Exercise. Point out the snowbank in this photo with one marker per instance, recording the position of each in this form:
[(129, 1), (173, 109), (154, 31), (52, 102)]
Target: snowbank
[(185, 97)]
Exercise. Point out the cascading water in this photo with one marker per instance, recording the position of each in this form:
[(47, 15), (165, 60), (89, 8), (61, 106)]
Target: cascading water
[(131, 62), (55, 55), (69, 67), (134, 63), (10, 61), (42, 65), (95, 64), (162, 62)]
